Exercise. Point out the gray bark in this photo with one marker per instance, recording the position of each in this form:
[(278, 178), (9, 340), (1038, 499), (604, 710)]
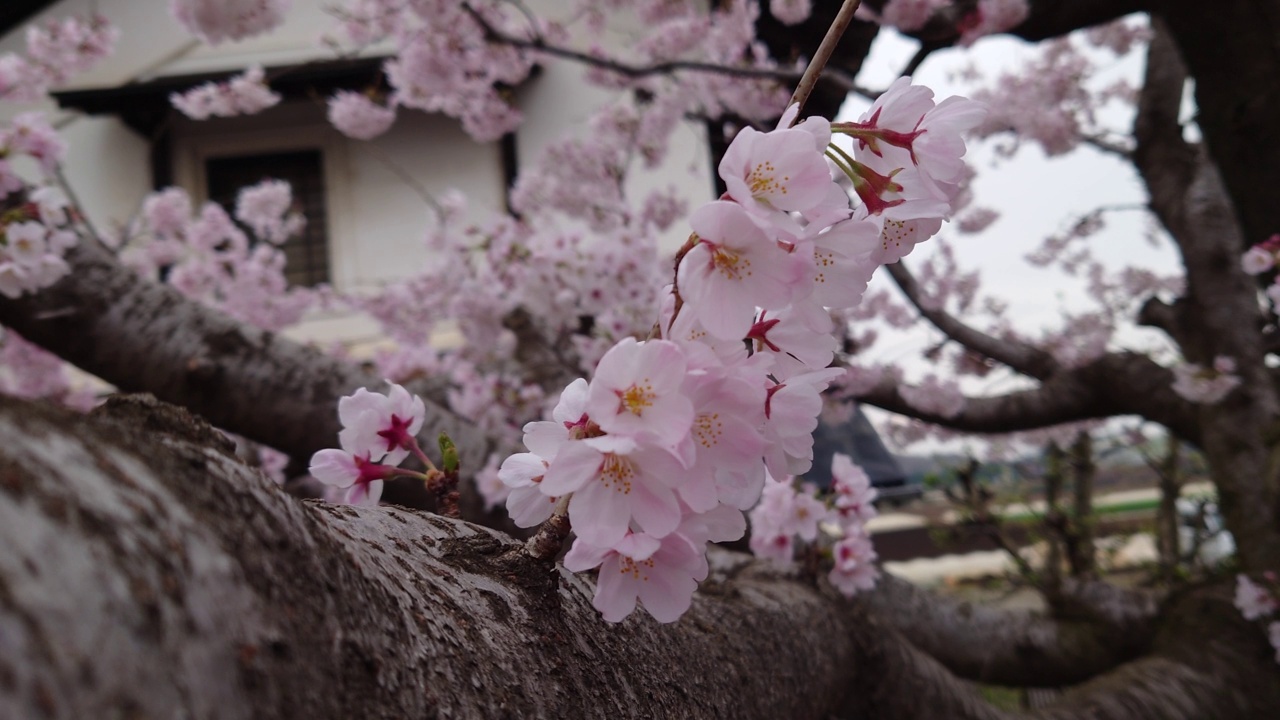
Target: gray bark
[(146, 572)]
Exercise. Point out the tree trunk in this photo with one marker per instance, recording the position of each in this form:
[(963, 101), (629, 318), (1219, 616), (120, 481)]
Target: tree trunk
[(146, 572)]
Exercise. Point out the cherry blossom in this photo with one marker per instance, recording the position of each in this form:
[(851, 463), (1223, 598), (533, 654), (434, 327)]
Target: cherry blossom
[(734, 267), (854, 570), (356, 474), (215, 21), (267, 208), (636, 392), (1253, 600), (355, 115), (854, 493), (1208, 386), (243, 94), (661, 573), (379, 426)]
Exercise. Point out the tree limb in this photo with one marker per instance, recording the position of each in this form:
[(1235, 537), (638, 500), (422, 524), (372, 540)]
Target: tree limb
[(1022, 357), (1006, 647), (1115, 384), (148, 573)]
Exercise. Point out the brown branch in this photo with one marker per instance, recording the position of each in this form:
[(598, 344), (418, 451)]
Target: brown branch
[(1007, 647), (1022, 357), (1115, 384), (146, 558), (820, 57), (537, 44)]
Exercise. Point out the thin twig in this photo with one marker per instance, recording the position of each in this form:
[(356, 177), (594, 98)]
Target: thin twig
[(81, 212), (820, 58), (639, 71)]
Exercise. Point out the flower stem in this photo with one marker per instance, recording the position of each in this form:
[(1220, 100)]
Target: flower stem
[(546, 543), (823, 54)]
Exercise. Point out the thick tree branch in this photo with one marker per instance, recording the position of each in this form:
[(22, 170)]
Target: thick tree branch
[(1218, 314), (1006, 647), (148, 573), (142, 336), (1115, 384), (1024, 358)]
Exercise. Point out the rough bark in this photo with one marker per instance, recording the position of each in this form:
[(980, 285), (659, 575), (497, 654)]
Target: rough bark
[(147, 573), (1218, 314), (1011, 648)]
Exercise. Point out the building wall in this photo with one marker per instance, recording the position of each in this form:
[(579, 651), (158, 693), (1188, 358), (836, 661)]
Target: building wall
[(377, 215)]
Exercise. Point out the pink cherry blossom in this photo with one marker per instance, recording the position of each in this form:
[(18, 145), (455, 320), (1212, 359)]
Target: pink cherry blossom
[(361, 478), (1252, 600), (791, 411), (521, 474), (356, 116), (854, 569), (661, 573), (1257, 260), (1203, 385), (735, 267), (854, 494), (636, 392), (615, 482), (215, 21), (725, 441), (797, 346), (776, 172), (267, 209), (790, 12), (243, 94), (381, 426)]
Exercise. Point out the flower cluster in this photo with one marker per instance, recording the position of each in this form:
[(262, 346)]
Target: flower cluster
[(356, 116), (670, 441), (786, 513), (243, 94), (1256, 602), (210, 258), (1262, 258), (35, 221), (1206, 385), (55, 52), (378, 433), (214, 21)]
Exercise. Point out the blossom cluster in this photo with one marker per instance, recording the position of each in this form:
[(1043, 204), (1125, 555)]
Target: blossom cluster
[(243, 94), (671, 440), (55, 52), (1256, 602), (378, 433), (36, 226), (787, 513), (1206, 385), (215, 21), (1262, 259), (356, 116), (209, 257)]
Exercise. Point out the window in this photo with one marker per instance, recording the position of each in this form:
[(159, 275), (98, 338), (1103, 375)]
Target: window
[(308, 253)]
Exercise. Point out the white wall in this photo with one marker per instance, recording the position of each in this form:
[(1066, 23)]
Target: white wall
[(377, 219)]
